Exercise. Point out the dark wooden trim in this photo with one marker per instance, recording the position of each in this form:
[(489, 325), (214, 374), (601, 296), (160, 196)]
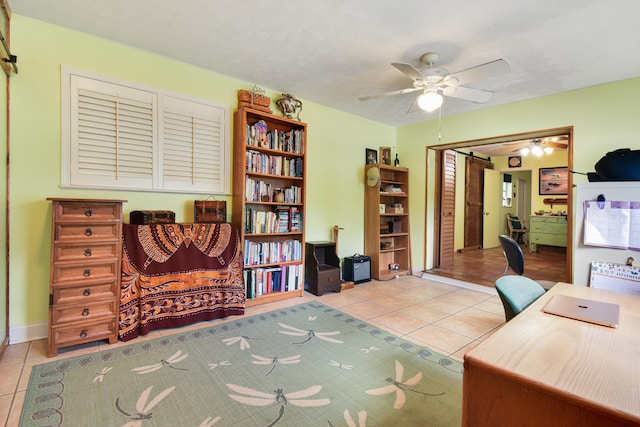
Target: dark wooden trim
[(437, 206), (566, 130), (3, 347), (7, 12)]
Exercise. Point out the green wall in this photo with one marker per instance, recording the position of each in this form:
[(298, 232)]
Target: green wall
[(604, 118), (530, 163), (336, 150)]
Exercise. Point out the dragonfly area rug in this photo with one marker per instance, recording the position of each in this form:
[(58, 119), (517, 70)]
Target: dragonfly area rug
[(306, 365)]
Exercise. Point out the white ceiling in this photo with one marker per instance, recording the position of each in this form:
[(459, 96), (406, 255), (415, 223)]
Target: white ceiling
[(332, 52)]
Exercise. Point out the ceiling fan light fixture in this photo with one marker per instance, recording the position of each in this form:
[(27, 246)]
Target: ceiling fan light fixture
[(537, 151), (548, 150), (430, 101), (524, 151)]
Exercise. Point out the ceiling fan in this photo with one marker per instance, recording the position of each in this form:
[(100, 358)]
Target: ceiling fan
[(538, 146), (433, 80)]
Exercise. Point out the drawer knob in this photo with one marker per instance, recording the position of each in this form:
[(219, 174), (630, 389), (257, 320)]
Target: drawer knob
[(87, 292), (88, 232), (87, 273), (84, 333), (85, 312), (87, 252), (88, 212)]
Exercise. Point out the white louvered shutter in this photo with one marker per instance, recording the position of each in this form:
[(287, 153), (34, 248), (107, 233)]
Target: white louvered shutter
[(193, 146), (122, 135), (112, 135)]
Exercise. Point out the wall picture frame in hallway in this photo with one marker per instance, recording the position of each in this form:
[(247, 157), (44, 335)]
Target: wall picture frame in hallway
[(554, 181)]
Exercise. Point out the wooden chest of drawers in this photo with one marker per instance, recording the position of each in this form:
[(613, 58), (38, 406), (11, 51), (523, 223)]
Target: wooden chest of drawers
[(84, 287), (547, 230)]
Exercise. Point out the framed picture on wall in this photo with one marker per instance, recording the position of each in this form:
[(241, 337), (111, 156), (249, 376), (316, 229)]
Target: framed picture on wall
[(515, 161), (371, 156), (385, 155), (554, 181)]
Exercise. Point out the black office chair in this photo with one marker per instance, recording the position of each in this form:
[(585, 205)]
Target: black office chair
[(517, 293), (515, 259)]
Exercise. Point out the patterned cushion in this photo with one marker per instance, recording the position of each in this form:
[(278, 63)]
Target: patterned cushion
[(515, 222)]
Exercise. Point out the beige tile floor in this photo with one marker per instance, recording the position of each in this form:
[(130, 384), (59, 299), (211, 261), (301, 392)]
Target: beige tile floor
[(449, 318)]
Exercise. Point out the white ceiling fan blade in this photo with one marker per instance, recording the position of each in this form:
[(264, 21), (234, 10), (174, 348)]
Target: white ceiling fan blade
[(390, 93), (484, 71), (414, 106), (409, 70), (475, 95)]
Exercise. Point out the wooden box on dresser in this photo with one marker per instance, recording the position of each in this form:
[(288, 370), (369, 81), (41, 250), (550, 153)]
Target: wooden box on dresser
[(386, 222), (269, 203), (84, 287)]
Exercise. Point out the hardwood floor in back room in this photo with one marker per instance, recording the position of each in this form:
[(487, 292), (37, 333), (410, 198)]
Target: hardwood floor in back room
[(484, 266)]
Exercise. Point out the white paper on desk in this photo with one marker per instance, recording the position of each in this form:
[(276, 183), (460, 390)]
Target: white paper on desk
[(608, 224)]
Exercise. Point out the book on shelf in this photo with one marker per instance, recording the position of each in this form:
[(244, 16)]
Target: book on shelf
[(257, 253), (265, 280), (291, 141), (295, 219), (273, 164), (282, 213), (256, 189)]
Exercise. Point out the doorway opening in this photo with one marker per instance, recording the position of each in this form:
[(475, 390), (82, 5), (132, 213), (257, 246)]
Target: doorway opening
[(484, 262)]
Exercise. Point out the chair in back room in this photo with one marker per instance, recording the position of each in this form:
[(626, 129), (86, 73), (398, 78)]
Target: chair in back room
[(515, 259), (517, 228)]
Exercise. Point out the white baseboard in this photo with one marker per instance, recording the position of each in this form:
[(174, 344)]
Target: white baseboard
[(31, 332), (460, 283)]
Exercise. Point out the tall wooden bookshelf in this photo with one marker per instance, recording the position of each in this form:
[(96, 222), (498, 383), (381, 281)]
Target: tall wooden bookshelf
[(269, 202), (386, 222)]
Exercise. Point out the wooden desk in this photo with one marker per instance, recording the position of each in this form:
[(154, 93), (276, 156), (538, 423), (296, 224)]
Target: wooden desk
[(544, 370)]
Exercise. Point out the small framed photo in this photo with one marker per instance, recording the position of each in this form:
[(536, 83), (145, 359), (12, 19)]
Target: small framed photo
[(385, 155), (554, 181), (371, 156), (515, 161)]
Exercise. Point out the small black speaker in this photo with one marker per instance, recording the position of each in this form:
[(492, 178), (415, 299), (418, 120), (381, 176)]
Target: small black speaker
[(357, 269)]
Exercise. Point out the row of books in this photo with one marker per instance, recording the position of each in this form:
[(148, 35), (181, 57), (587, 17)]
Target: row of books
[(289, 219), (289, 141), (284, 219), (256, 253), (273, 165), (265, 280), (256, 188)]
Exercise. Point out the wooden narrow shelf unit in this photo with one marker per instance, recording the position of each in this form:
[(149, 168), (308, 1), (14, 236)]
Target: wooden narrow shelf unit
[(262, 169), (387, 235)]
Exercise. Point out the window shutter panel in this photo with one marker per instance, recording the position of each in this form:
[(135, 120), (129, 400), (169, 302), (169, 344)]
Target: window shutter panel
[(121, 135), (193, 146), (112, 136)]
